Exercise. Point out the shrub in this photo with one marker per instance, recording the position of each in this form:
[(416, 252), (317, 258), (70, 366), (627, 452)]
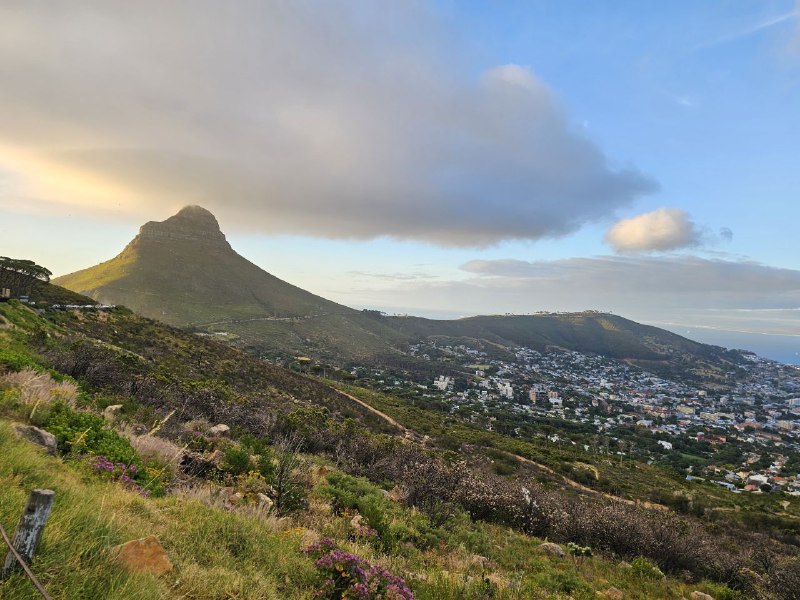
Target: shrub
[(236, 460), (645, 568), (349, 576), (17, 361), (79, 432), (576, 550), (119, 472)]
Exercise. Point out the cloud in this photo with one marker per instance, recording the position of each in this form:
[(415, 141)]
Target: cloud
[(753, 29), (726, 234), (643, 284), (728, 294), (343, 119), (661, 230), (794, 45), (393, 276)]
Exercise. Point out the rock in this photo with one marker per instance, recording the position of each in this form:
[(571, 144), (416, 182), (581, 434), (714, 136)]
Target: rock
[(356, 522), (700, 596), (38, 436), (111, 413), (218, 430), (552, 549), (144, 556), (265, 502), (613, 594)]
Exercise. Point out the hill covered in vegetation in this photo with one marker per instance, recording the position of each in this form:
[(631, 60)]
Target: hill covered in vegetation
[(310, 482), (184, 272)]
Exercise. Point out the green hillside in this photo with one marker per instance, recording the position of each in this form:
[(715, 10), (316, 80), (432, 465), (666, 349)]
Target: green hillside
[(182, 271), (449, 526)]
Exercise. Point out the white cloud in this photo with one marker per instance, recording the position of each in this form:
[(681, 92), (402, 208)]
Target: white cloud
[(660, 230), (345, 119), (739, 295)]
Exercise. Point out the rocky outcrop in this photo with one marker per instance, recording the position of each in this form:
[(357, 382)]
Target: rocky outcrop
[(219, 430), (38, 436), (191, 223), (552, 549)]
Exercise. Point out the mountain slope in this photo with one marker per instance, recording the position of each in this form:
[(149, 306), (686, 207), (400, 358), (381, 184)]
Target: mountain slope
[(183, 271)]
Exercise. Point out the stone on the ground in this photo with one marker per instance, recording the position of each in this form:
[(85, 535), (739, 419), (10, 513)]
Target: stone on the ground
[(697, 595), (111, 413), (38, 436), (144, 556), (265, 502), (220, 429), (552, 549)]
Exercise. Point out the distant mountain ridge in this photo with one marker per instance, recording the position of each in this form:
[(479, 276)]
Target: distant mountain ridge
[(184, 272)]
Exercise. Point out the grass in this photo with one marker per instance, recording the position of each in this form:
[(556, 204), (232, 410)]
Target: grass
[(216, 554), (227, 555), (222, 554)]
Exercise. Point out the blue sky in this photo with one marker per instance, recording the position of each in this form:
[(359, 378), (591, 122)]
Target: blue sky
[(439, 158)]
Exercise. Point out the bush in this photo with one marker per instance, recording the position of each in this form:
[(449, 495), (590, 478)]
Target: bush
[(17, 361), (236, 460), (79, 432), (349, 576), (645, 568)]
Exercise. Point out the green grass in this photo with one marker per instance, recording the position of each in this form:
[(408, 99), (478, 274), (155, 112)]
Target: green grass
[(216, 554), (227, 555)]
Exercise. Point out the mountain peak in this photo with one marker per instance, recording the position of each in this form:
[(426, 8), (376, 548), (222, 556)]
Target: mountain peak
[(193, 223)]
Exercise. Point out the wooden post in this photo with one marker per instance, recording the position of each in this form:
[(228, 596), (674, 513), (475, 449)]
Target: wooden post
[(29, 529)]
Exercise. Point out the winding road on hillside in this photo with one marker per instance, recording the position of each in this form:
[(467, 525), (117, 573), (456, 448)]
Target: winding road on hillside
[(407, 432), (569, 482)]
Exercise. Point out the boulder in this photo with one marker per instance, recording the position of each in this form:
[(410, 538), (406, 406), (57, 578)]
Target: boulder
[(111, 413), (613, 594), (265, 502), (144, 556), (38, 436), (696, 595), (552, 549), (357, 522), (219, 430)]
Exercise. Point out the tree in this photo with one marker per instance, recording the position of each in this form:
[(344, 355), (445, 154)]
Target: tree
[(20, 274)]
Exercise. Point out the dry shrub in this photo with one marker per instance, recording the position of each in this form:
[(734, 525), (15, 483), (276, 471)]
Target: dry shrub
[(36, 388), (216, 498), (153, 449)]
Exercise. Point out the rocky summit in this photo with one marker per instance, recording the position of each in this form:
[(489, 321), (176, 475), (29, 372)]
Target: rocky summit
[(191, 223)]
